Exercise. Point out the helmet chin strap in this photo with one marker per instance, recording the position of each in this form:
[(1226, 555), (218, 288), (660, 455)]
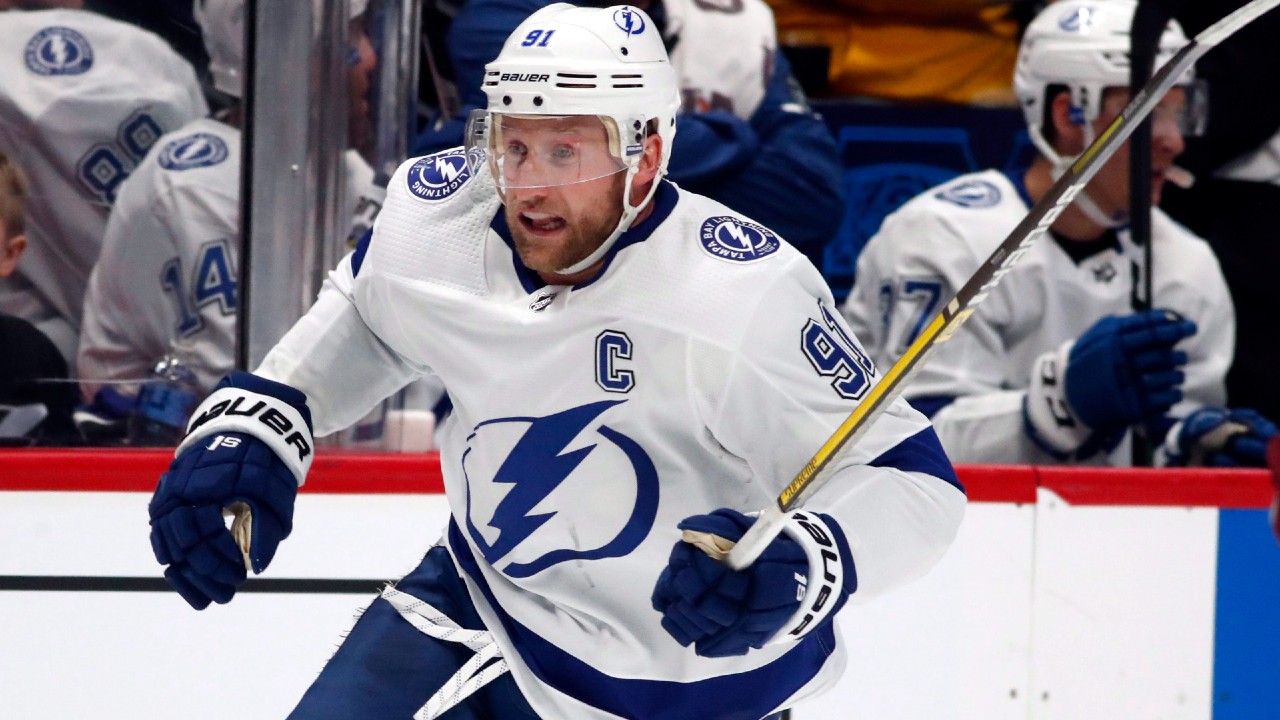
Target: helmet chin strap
[(1082, 201), (629, 213)]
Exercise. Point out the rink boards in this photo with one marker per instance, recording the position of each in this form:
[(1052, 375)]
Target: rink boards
[(1068, 594)]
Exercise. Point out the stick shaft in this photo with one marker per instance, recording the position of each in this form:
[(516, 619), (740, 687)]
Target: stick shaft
[(988, 275)]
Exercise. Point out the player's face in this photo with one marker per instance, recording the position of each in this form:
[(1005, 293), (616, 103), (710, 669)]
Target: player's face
[(1110, 187), (563, 188), (361, 62)]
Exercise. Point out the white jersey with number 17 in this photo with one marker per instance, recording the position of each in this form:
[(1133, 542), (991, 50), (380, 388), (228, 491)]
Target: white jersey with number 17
[(973, 385)]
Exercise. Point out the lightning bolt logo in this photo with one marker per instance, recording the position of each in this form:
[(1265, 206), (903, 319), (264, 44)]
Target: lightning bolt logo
[(447, 170), (58, 51), (536, 466), (738, 233), (628, 21), (436, 177), (194, 150), (737, 239)]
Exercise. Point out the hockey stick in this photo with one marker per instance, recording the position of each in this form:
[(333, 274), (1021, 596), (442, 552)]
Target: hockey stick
[(772, 519), (1148, 26)]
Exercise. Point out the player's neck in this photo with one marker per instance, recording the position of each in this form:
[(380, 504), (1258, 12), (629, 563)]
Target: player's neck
[(1072, 224)]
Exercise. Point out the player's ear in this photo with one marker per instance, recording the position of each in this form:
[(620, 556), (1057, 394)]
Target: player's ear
[(1067, 125), (650, 161), (10, 251)]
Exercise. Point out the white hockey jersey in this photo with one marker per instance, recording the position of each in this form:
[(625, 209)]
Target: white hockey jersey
[(930, 247), (167, 279), (83, 99), (701, 369), (711, 78)]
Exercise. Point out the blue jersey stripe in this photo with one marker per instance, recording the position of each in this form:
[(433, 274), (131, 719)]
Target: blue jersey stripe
[(930, 405), (741, 696), (921, 453), (362, 247)]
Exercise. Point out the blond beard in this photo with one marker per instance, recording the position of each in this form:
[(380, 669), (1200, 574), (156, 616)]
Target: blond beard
[(584, 235)]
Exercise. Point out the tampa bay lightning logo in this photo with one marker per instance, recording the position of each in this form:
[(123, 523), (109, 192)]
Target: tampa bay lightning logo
[(971, 194), (1079, 19), (436, 177), (731, 238), (58, 51), (193, 151), (628, 20), (522, 471)]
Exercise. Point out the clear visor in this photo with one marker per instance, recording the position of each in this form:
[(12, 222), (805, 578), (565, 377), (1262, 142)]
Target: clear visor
[(1184, 110), (537, 151)]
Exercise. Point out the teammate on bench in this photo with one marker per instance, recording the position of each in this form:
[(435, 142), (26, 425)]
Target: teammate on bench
[(626, 361), (1055, 366)]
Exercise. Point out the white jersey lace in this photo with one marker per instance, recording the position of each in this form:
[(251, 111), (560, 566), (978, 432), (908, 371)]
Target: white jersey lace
[(485, 667)]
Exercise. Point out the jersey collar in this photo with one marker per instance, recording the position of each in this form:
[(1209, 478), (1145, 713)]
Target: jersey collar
[(1077, 250)]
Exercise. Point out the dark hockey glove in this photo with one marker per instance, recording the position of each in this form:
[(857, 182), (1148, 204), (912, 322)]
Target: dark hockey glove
[(801, 579), (247, 450), (1121, 371), (1217, 437)]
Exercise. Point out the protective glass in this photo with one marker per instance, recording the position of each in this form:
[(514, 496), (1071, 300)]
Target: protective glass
[(535, 151)]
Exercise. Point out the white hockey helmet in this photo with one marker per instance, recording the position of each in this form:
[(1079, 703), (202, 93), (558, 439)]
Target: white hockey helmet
[(222, 27), (565, 60), (1083, 45)]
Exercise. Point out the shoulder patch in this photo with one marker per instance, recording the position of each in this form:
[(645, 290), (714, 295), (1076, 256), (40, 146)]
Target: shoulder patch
[(731, 238), (971, 194), (193, 151), (58, 51), (436, 177)]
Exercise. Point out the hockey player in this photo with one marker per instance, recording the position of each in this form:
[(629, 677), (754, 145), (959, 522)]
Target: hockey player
[(748, 137), (166, 282), (83, 99), (627, 360), (1054, 366)]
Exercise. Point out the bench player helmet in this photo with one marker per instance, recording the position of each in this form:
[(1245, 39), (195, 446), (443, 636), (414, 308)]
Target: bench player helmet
[(222, 28), (1084, 46), (580, 61)]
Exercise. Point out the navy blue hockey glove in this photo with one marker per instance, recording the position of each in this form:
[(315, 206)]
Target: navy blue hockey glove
[(801, 579), (248, 448), (1217, 437), (1121, 371)]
